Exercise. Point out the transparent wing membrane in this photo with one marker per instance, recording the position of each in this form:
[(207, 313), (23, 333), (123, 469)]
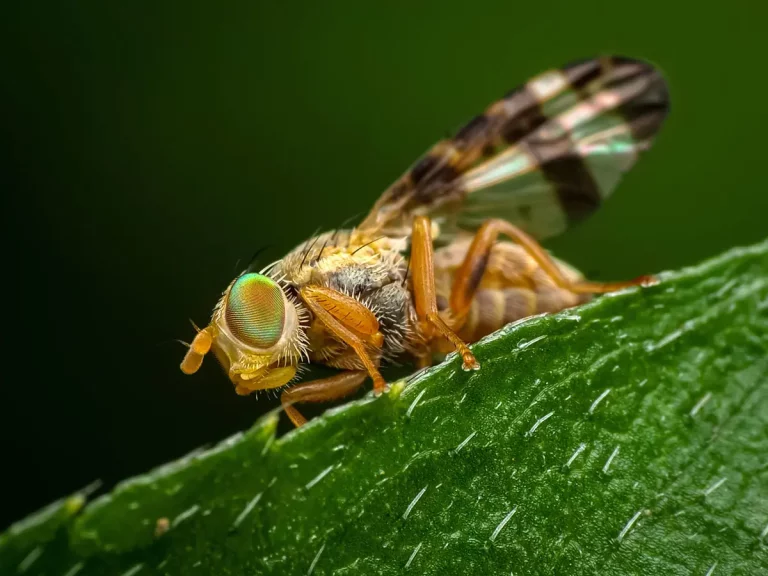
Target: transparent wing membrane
[(543, 157)]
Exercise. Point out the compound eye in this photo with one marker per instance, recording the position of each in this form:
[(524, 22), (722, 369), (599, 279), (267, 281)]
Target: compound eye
[(256, 311)]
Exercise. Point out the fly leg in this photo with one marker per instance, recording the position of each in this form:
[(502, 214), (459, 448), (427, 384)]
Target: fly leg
[(351, 322), (471, 271), (425, 296), (323, 390)]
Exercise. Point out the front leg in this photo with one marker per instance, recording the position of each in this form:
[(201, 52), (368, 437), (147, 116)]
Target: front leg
[(351, 322), (424, 294), (323, 390)]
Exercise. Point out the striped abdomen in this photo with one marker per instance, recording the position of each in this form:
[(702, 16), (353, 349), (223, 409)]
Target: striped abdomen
[(513, 287)]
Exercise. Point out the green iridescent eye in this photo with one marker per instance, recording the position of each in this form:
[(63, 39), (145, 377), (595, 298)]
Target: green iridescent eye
[(256, 311)]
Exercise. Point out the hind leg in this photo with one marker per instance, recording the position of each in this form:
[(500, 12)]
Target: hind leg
[(471, 271)]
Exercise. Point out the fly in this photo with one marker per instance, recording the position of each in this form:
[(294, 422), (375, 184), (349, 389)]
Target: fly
[(450, 252)]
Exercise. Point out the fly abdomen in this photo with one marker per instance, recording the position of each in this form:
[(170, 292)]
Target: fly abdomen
[(493, 308)]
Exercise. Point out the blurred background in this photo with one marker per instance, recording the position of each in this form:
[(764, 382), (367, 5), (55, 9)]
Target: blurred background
[(150, 147)]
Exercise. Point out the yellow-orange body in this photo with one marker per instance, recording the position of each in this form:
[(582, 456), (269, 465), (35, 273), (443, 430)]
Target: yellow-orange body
[(375, 272), (449, 252)]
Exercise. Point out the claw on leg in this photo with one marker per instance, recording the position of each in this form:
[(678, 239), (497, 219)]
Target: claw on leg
[(469, 362)]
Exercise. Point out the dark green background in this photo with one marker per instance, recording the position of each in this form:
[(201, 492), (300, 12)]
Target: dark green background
[(151, 147)]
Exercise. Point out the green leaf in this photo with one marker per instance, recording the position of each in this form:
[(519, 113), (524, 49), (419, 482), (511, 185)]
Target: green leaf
[(628, 436)]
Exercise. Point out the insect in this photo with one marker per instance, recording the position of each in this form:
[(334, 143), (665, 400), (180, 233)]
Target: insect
[(449, 252)]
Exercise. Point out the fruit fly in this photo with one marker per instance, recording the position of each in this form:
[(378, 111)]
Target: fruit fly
[(449, 253)]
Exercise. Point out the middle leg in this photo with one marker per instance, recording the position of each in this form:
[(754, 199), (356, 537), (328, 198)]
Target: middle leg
[(424, 294)]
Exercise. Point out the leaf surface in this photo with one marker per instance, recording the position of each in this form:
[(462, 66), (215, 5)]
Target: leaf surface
[(627, 436)]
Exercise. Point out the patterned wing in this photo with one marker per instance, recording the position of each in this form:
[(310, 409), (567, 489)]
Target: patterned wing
[(543, 157)]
